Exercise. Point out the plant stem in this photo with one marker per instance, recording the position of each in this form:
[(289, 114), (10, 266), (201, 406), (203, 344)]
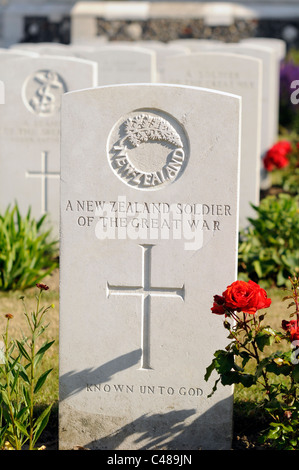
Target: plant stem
[(295, 296), (255, 353), (9, 404), (32, 372)]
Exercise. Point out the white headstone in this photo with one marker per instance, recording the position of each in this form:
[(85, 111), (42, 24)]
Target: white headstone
[(162, 51), (30, 129), (279, 45), (269, 94), (2, 93), (241, 75), (121, 64), (54, 46), (272, 67), (13, 52), (116, 63), (195, 45), (141, 165), (269, 100)]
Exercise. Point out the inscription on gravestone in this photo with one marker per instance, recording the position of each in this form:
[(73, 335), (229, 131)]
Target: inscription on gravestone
[(132, 134), (41, 92), (30, 129)]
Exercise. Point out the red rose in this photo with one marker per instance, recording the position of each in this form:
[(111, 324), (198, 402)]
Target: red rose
[(287, 325), (284, 145), (295, 335), (218, 305), (292, 327), (276, 157), (247, 297)]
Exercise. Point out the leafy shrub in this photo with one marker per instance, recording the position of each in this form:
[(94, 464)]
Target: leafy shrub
[(247, 359), (269, 248), (21, 381), (27, 254)]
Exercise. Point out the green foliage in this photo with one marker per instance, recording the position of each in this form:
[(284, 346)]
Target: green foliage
[(269, 248), (27, 254), (245, 361), (21, 381), (287, 177)]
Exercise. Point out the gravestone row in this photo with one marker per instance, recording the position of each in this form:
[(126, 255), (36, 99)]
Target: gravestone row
[(156, 170), (251, 73), (30, 128)]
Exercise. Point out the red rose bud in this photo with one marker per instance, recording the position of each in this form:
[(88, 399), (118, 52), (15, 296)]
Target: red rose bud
[(295, 335), (292, 327), (42, 286), (218, 305), (219, 299), (218, 309), (287, 325)]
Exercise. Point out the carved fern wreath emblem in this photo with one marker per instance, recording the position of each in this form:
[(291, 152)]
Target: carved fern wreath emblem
[(142, 166), (144, 127)]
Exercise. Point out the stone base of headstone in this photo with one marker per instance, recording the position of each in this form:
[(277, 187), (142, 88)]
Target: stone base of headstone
[(166, 430)]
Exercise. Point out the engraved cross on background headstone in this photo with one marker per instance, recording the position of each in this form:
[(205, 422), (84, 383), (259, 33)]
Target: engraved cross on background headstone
[(2, 92), (146, 291), (44, 174)]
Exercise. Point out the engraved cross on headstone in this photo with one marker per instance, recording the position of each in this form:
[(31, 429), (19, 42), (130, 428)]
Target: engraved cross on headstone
[(146, 291), (44, 174)]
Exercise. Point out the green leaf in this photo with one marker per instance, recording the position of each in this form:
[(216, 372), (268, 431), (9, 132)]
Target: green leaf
[(21, 427), (263, 339), (214, 388), (45, 347), (23, 411), (295, 373), (209, 370), (23, 351), (41, 423), (274, 434), (41, 380), (258, 268), (245, 358), (4, 397), (224, 361), (24, 375), (277, 369), (233, 377)]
